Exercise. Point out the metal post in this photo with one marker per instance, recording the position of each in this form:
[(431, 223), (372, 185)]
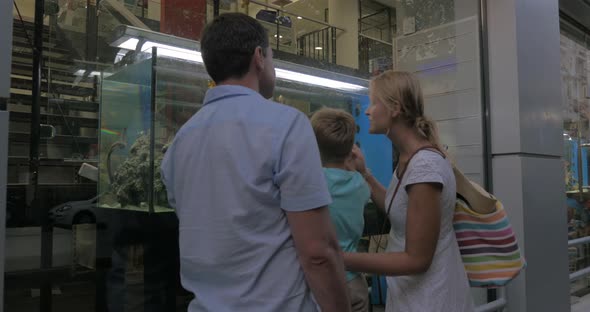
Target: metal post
[(5, 68), (215, 8), (36, 104), (492, 294), (92, 31), (389, 26), (315, 45), (6, 51), (333, 45), (308, 38), (152, 131), (324, 45), (319, 44), (4, 120), (278, 30), (33, 190)]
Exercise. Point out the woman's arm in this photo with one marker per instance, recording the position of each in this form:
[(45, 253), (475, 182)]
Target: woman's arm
[(422, 231), (378, 191)]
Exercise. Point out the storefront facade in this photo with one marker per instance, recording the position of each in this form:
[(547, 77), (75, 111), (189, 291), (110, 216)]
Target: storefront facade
[(93, 86)]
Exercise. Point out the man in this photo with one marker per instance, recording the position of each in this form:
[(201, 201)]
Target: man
[(245, 177)]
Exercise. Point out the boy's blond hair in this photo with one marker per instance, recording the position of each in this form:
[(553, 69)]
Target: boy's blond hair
[(334, 130)]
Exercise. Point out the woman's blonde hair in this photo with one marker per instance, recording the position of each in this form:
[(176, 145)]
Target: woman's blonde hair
[(403, 88)]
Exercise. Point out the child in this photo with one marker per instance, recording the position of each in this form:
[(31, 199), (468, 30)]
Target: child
[(335, 130)]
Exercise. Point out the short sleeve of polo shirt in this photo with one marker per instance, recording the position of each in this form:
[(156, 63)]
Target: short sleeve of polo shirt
[(298, 171)]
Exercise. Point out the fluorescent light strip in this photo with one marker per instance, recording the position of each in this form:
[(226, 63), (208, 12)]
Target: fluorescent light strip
[(315, 80), (195, 56), (93, 73), (164, 50)]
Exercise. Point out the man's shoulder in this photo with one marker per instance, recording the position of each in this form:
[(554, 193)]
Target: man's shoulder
[(283, 110), (282, 116), (264, 111)]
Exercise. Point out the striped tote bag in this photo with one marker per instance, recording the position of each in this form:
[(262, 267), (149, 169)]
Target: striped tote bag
[(487, 243)]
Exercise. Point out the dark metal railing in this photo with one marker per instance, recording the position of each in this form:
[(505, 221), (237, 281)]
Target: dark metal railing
[(374, 55), (319, 45)]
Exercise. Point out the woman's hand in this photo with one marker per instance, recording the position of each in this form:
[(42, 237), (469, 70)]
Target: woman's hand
[(358, 163), (359, 160)]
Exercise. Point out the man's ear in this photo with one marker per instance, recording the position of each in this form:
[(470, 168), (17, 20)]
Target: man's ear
[(258, 58)]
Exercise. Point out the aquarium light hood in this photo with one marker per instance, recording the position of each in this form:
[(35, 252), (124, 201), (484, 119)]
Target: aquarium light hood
[(131, 38)]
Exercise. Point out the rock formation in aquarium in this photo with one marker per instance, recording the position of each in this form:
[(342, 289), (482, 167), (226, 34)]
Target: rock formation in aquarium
[(130, 182)]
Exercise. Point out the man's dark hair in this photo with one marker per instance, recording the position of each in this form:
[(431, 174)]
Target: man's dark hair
[(228, 44)]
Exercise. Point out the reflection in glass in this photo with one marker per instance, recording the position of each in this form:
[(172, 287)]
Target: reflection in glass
[(575, 71)]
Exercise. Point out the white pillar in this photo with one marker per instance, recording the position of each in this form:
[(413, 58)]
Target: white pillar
[(345, 14), (526, 134)]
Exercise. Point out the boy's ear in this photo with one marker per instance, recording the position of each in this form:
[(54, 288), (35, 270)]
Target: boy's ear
[(349, 162)]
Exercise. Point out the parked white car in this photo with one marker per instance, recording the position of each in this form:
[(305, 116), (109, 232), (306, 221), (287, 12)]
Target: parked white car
[(76, 212)]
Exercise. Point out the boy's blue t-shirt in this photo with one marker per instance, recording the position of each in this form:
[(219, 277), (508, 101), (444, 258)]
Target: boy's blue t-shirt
[(349, 193)]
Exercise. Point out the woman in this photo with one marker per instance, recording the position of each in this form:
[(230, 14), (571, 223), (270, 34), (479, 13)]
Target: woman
[(422, 260)]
